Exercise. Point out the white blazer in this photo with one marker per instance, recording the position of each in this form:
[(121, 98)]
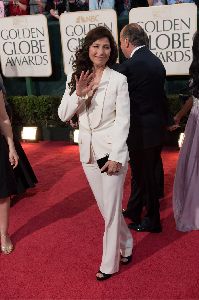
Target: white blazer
[(109, 125)]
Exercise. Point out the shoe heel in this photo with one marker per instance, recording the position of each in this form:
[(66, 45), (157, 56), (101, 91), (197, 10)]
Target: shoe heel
[(127, 259), (8, 247)]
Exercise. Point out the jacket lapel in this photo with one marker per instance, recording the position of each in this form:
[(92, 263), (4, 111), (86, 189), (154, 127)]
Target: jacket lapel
[(99, 98)]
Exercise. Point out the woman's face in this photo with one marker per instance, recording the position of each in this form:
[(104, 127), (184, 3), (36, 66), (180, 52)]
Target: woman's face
[(99, 52)]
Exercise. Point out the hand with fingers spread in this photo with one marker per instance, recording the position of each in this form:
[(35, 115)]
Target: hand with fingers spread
[(85, 84), (113, 167)]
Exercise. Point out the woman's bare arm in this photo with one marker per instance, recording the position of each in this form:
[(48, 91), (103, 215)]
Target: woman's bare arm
[(184, 110), (6, 130)]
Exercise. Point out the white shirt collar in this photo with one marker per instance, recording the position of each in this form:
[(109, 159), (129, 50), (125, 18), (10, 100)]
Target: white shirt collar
[(136, 50)]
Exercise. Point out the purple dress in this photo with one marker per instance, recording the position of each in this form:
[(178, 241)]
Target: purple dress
[(186, 183)]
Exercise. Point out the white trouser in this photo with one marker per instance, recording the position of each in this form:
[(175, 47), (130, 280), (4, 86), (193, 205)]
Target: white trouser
[(108, 192)]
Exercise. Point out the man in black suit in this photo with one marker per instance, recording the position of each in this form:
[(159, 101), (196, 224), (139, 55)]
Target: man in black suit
[(149, 116)]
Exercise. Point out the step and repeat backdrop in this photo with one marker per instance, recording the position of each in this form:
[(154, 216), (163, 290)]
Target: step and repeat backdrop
[(24, 46), (75, 26), (170, 29), (25, 49)]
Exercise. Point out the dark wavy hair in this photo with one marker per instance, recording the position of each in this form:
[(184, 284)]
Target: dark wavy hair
[(82, 61), (194, 67)]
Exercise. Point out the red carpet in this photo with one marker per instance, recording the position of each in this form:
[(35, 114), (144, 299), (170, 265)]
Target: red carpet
[(57, 231)]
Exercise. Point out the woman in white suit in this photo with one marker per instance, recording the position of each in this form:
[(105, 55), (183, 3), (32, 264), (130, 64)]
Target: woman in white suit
[(99, 96)]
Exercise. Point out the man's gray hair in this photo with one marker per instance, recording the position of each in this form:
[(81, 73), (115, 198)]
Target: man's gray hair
[(135, 34)]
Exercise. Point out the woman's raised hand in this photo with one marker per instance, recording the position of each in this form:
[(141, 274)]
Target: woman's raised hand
[(84, 84)]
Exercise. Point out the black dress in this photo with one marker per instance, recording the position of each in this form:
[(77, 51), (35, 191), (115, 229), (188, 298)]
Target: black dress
[(8, 184), (24, 174)]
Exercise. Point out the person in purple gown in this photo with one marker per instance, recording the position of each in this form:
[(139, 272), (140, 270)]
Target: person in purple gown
[(186, 183)]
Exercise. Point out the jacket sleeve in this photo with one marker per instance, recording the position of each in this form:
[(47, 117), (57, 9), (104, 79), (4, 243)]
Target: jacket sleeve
[(69, 104), (122, 123)]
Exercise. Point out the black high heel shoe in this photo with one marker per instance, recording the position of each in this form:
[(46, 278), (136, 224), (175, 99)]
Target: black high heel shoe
[(104, 276), (125, 260)]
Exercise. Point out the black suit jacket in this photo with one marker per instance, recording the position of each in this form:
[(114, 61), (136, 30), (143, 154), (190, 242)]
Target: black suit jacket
[(149, 112)]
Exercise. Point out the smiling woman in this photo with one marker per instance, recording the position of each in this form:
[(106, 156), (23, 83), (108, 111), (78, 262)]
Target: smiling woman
[(99, 96), (99, 52)]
